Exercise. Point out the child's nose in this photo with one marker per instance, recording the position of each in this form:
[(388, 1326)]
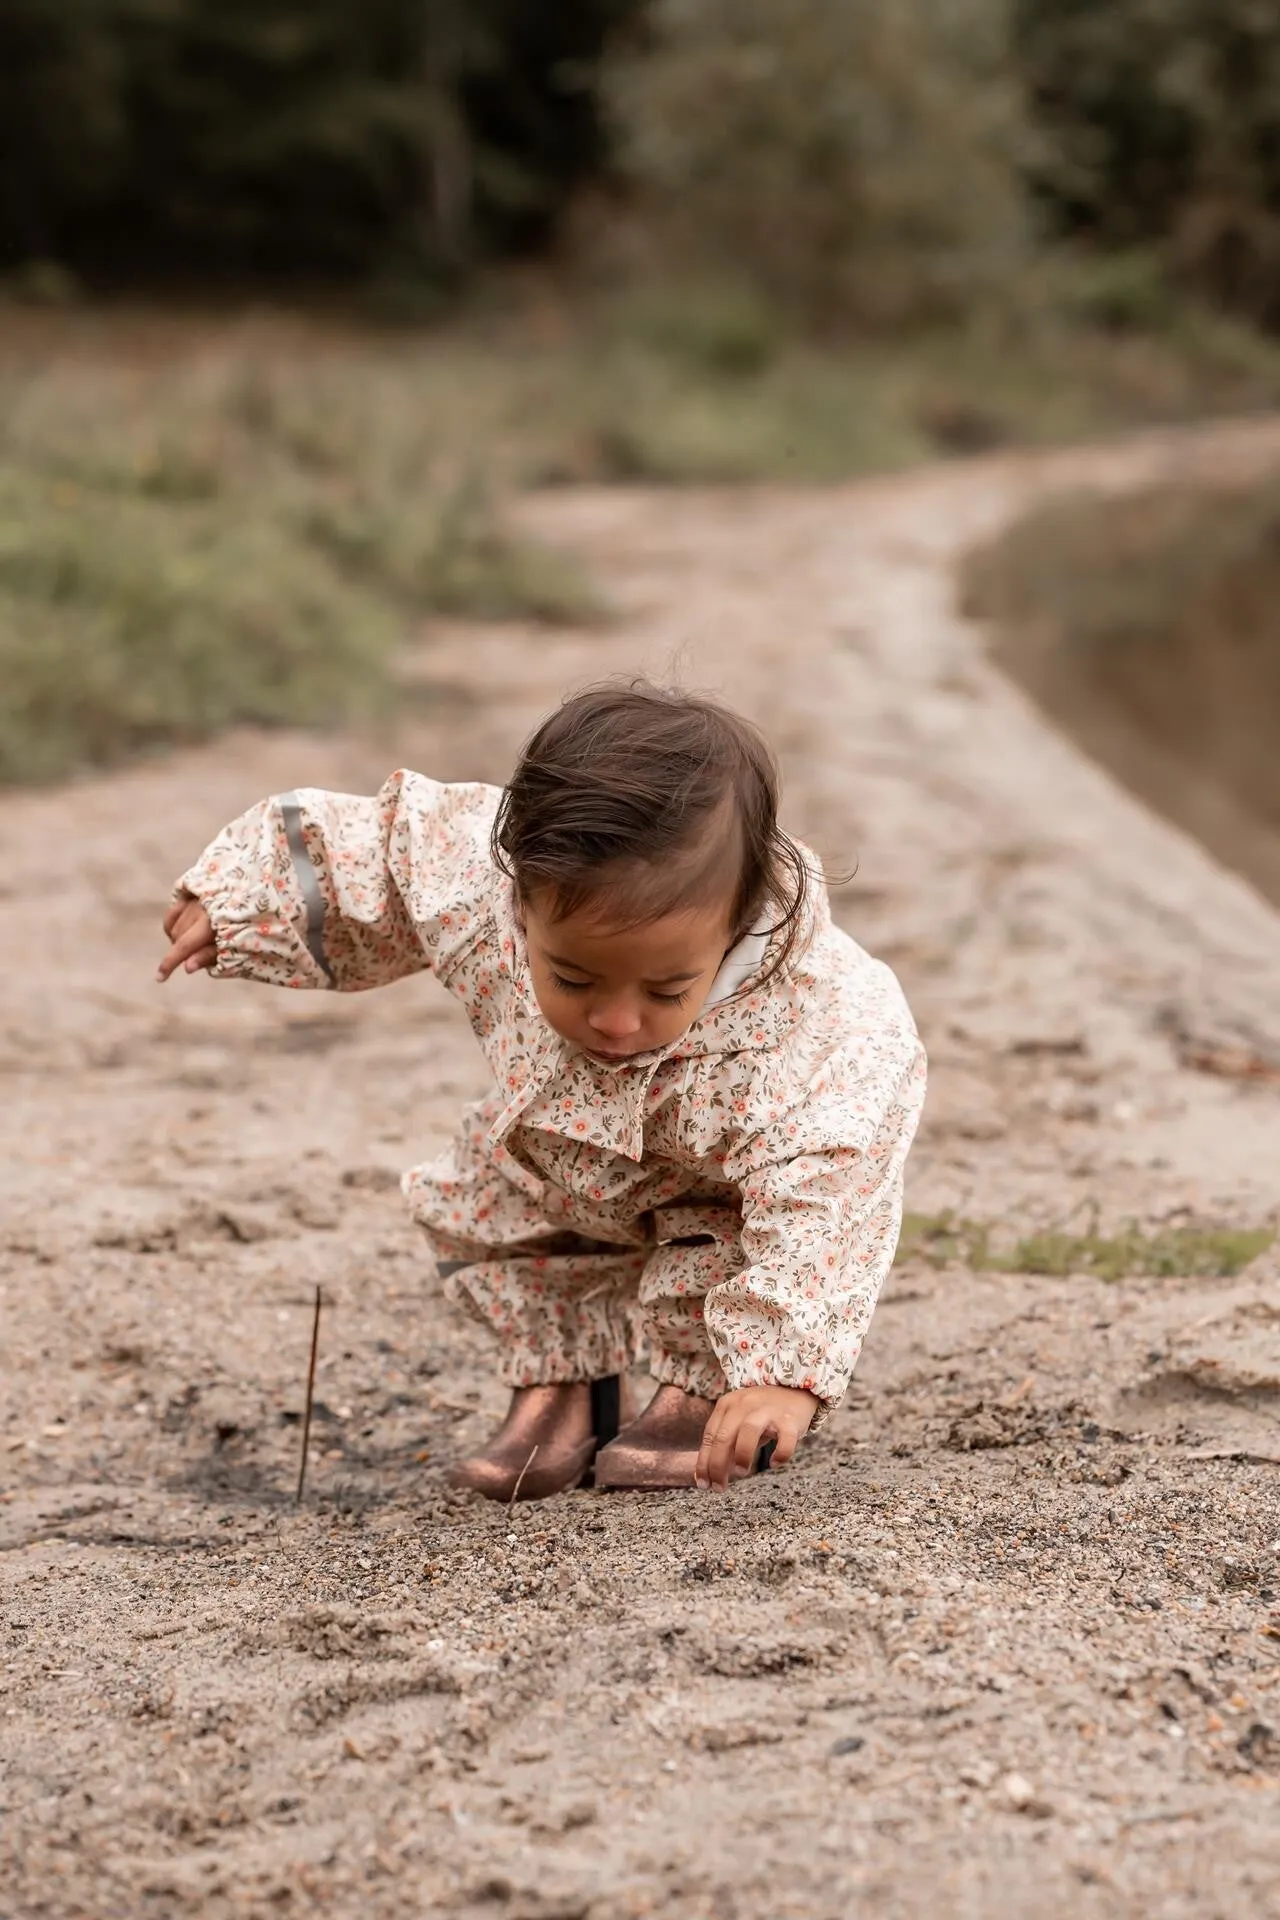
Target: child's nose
[(614, 1019)]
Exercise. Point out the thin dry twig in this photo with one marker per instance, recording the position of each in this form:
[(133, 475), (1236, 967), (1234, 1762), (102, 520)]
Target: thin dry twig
[(515, 1491), (311, 1388)]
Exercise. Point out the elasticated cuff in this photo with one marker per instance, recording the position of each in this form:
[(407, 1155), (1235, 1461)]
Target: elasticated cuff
[(602, 1338), (698, 1376)]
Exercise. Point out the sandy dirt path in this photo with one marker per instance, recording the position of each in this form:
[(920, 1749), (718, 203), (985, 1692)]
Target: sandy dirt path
[(1005, 1640)]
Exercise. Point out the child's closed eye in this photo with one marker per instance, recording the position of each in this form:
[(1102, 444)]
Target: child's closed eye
[(562, 985)]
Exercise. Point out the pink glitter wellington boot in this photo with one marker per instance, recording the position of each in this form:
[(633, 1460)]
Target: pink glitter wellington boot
[(659, 1451), (548, 1441)]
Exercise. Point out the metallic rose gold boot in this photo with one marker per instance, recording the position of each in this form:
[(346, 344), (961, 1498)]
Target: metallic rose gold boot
[(659, 1451), (547, 1442)]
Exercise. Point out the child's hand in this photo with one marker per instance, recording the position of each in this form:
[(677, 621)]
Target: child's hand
[(191, 931), (743, 1419)]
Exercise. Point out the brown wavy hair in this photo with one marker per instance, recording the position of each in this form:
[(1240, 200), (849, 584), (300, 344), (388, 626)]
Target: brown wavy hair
[(644, 800)]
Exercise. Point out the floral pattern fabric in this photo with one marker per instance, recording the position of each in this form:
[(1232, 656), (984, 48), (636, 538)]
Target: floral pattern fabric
[(738, 1193)]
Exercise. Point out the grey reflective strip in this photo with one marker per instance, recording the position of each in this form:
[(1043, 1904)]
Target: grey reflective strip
[(312, 898)]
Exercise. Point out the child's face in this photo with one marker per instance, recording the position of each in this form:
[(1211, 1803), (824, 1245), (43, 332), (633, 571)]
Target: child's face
[(619, 991)]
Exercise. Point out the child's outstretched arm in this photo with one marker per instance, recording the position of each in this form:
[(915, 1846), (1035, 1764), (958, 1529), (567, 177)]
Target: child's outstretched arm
[(313, 889)]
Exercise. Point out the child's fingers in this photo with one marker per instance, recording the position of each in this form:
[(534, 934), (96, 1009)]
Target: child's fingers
[(735, 1443), (717, 1442), (195, 938), (207, 957), (754, 1430), (788, 1439), (183, 915)]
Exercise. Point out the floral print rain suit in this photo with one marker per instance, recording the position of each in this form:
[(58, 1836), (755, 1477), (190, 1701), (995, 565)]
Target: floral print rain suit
[(728, 1205)]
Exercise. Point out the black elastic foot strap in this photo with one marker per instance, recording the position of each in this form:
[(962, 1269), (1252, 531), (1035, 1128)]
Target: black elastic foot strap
[(606, 1408)]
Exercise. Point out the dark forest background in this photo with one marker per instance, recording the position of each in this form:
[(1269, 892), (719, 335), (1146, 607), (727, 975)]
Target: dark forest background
[(864, 160)]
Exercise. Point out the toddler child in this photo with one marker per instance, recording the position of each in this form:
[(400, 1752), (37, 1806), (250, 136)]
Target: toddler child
[(704, 1091)]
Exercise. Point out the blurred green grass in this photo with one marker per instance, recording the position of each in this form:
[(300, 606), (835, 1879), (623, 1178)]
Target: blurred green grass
[(188, 546), (1133, 1251), (204, 522)]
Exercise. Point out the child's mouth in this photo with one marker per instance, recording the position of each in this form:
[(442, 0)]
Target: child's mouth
[(606, 1053)]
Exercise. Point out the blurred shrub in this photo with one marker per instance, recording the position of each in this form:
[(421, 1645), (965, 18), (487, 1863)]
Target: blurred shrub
[(185, 549), (120, 631), (722, 328), (858, 162), (276, 135), (1160, 127)]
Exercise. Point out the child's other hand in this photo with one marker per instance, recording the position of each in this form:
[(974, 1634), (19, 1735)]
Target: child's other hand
[(191, 933), (742, 1420)]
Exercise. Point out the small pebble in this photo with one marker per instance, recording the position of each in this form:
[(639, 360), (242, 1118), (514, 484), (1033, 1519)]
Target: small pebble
[(1022, 1797)]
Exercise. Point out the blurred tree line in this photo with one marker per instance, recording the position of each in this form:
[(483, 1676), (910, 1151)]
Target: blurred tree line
[(1159, 128), (865, 161), (336, 137)]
